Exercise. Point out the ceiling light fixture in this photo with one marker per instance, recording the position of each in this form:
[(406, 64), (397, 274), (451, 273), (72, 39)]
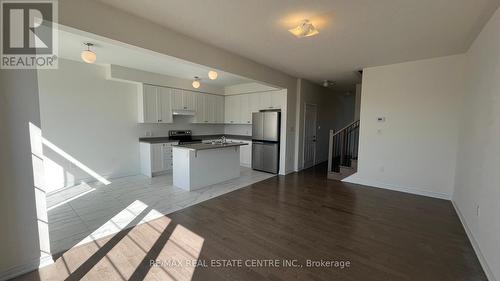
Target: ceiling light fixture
[(87, 55), (305, 29), (328, 83), (196, 82), (212, 74)]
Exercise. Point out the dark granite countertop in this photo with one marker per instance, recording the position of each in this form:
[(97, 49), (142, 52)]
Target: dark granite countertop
[(205, 146), (202, 137)]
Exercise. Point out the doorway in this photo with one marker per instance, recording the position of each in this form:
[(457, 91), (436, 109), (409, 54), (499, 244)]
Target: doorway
[(310, 115)]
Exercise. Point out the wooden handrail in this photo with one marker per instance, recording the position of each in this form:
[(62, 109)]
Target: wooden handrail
[(350, 124)]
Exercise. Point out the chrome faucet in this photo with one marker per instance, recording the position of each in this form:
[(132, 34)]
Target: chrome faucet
[(223, 139)]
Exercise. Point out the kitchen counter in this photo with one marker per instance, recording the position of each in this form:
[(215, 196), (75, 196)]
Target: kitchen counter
[(205, 146), (202, 164), (202, 137)]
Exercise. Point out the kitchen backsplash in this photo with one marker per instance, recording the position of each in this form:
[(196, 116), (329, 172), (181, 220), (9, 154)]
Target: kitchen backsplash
[(180, 123), (245, 130), (184, 123)]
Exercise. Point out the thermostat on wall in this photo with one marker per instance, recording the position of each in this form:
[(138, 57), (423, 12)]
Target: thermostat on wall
[(380, 119)]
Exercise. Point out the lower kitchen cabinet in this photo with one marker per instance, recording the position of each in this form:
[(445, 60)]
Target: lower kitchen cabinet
[(156, 158), (245, 153)]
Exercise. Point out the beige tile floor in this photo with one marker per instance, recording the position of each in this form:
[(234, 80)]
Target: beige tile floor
[(87, 212)]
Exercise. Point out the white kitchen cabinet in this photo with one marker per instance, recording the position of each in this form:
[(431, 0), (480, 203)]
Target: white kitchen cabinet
[(209, 109), (156, 158), (164, 104), (219, 109), (200, 116), (177, 99), (245, 109), (245, 153), (254, 103), (154, 105), (232, 110), (265, 100), (210, 114), (277, 99), (272, 100), (183, 99), (189, 100)]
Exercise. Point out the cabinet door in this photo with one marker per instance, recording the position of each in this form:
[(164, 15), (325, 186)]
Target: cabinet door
[(228, 109), (210, 115), (245, 111), (200, 108), (277, 99), (266, 100), (188, 100), (246, 154), (150, 109), (164, 105), (156, 157), (176, 98), (254, 101), (219, 109)]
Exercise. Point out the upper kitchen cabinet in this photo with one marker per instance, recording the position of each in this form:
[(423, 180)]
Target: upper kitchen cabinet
[(272, 100), (232, 110), (154, 104), (205, 108), (219, 109), (183, 100), (200, 116)]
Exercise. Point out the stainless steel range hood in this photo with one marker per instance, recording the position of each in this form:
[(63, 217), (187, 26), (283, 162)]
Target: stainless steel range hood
[(183, 112)]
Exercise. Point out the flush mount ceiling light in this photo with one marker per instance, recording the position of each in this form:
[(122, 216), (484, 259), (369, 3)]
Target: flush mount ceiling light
[(305, 29), (196, 82), (87, 55), (212, 74), (328, 83)]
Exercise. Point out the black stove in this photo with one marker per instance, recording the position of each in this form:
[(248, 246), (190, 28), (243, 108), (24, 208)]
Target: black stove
[(183, 136)]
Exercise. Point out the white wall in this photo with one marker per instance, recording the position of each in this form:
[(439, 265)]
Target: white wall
[(414, 150), (90, 118), (95, 121), (24, 242), (477, 177)]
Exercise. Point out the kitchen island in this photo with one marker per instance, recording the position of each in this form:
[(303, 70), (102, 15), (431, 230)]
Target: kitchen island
[(202, 164)]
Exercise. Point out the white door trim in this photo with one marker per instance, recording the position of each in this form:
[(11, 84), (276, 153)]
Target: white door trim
[(304, 133)]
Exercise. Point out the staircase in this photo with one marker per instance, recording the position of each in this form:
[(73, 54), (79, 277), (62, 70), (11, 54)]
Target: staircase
[(343, 152)]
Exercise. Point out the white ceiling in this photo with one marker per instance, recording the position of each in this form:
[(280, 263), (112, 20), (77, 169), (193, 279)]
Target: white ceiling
[(117, 53), (353, 33)]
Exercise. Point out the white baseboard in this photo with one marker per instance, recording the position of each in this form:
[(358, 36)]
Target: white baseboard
[(475, 245), (27, 267), (412, 190)]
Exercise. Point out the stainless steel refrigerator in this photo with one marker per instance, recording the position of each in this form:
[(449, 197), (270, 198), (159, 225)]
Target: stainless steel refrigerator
[(266, 141)]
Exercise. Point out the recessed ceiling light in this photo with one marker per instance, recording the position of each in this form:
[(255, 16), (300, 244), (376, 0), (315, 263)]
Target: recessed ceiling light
[(87, 55), (196, 82), (212, 74), (305, 29)]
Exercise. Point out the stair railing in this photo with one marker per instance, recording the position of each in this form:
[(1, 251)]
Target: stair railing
[(343, 147)]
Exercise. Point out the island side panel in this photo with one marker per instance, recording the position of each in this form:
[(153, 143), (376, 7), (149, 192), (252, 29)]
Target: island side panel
[(213, 166), (181, 168)]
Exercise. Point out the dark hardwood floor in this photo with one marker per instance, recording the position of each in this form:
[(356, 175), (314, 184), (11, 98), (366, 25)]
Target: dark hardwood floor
[(382, 235)]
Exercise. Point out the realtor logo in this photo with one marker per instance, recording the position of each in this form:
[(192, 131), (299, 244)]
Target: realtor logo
[(29, 34)]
